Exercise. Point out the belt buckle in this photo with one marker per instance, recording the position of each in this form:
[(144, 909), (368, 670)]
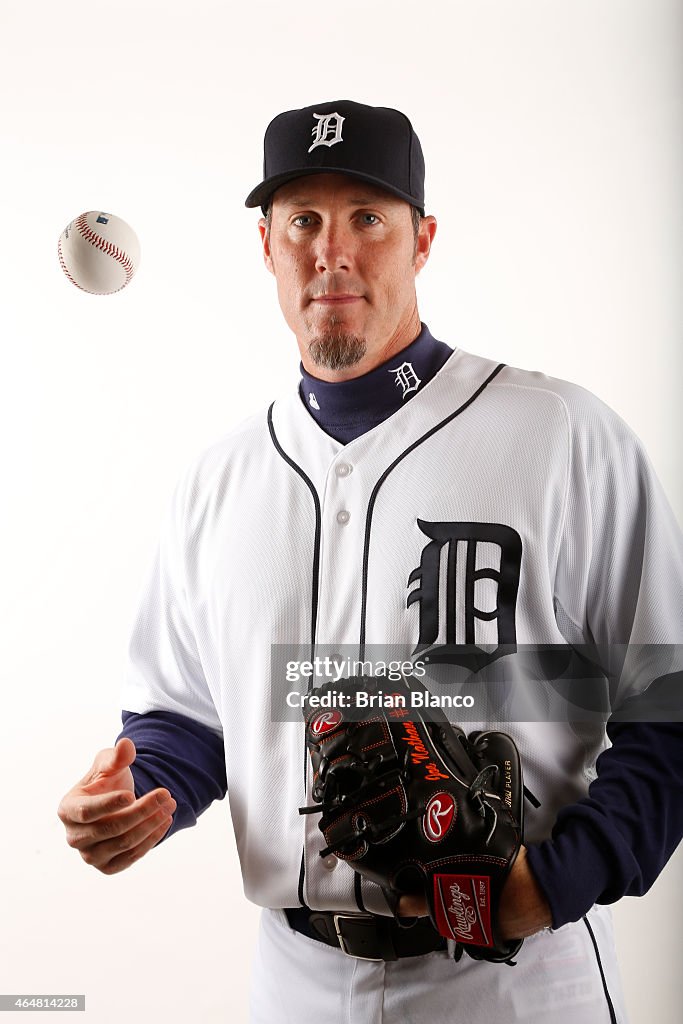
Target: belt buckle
[(342, 941)]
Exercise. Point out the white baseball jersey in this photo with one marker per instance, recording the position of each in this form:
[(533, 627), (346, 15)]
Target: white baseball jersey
[(496, 506)]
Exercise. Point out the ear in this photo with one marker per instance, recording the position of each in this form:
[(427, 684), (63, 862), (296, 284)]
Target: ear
[(424, 242), (265, 242)]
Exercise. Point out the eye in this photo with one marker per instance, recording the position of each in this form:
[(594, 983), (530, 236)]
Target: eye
[(300, 218), (369, 218)]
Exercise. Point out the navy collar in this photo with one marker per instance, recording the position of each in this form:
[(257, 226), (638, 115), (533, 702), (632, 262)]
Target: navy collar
[(347, 409)]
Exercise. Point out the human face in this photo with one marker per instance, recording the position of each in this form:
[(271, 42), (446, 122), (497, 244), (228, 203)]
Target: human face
[(345, 259)]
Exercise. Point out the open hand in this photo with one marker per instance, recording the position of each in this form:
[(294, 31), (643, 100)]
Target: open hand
[(104, 821)]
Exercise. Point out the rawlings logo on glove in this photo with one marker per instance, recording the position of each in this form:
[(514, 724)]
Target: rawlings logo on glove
[(462, 908), (419, 807), (438, 817)]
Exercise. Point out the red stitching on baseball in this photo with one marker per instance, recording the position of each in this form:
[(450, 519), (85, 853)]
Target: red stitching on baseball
[(64, 266), (104, 246)]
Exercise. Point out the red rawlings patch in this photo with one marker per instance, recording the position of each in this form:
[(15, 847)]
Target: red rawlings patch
[(438, 817), (462, 908), (324, 722)]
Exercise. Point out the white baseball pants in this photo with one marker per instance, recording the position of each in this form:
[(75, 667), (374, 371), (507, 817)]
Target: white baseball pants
[(568, 976)]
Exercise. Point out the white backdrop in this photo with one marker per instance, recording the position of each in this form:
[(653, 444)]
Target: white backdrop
[(552, 136)]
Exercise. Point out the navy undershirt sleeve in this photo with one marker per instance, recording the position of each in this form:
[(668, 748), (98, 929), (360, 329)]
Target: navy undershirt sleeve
[(615, 841), (179, 754)]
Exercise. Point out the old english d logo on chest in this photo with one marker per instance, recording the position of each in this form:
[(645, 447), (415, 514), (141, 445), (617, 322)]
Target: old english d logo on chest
[(458, 623)]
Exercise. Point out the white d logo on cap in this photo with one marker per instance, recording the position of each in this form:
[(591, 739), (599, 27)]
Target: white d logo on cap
[(327, 132)]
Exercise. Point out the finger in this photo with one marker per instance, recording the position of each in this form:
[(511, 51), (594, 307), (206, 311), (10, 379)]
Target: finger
[(412, 905), (112, 760), (124, 860), (100, 854), (117, 821), (78, 807)]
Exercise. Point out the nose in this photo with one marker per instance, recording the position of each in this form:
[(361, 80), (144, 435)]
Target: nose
[(334, 248)]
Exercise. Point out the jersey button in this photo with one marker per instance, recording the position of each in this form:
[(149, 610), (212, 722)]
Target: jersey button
[(342, 469), (343, 517), (330, 862)]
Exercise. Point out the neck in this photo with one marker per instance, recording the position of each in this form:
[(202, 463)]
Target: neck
[(347, 409), (405, 334)]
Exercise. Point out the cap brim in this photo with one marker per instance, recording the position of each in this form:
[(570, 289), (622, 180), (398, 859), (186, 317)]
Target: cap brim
[(263, 192)]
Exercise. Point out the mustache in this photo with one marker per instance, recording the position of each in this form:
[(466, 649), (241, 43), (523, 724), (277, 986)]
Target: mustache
[(329, 288), (329, 293)]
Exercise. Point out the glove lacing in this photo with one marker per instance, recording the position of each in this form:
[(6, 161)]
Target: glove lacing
[(364, 830)]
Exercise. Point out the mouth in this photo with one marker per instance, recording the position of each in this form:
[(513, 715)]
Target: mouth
[(336, 300)]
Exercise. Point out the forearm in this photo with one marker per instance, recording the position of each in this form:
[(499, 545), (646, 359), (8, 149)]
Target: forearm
[(181, 755), (523, 908), (615, 841)]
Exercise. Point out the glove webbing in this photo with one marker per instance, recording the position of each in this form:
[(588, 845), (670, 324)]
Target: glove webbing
[(364, 830)]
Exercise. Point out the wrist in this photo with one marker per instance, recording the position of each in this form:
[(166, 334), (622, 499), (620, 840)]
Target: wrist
[(523, 908)]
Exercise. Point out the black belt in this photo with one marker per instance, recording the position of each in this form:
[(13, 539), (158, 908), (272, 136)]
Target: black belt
[(366, 936)]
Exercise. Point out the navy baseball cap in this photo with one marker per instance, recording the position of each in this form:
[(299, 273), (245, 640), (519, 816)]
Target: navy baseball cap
[(375, 144)]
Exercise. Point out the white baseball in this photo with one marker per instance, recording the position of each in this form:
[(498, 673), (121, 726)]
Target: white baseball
[(99, 252)]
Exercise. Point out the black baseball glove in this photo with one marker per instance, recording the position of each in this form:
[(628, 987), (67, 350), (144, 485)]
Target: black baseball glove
[(417, 806)]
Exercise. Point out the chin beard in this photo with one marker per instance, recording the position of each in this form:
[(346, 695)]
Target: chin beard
[(337, 349)]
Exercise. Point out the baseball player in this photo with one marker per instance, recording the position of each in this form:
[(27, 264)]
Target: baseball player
[(415, 496)]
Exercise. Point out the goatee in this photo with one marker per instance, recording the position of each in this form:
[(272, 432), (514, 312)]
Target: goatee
[(337, 349)]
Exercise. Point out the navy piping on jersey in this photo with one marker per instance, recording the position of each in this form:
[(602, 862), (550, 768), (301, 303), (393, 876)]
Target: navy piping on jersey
[(358, 891), (315, 584), (610, 1004), (385, 474), (315, 581)]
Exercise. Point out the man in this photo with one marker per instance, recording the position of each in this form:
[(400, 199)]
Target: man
[(309, 525)]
